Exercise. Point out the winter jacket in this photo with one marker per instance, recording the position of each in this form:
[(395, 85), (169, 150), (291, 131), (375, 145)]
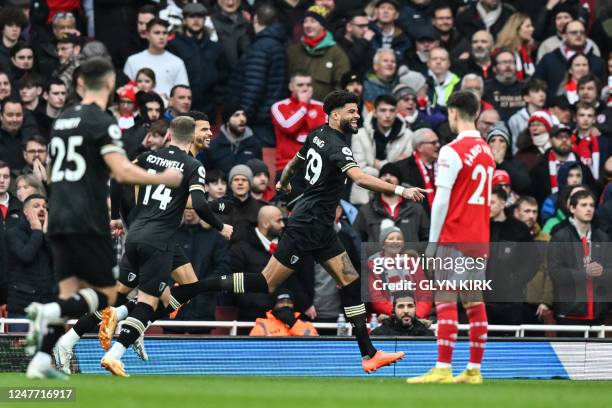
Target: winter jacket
[(358, 52), (234, 35), (394, 327), (400, 43), (326, 63), (566, 269), (224, 153), (373, 87), (363, 144), (451, 81), (410, 217), (260, 78), (242, 215), (519, 176), (271, 326), (469, 20), (31, 277), (12, 218), (293, 121), (207, 69)]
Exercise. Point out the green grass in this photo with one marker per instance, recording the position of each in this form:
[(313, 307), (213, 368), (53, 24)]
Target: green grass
[(94, 391)]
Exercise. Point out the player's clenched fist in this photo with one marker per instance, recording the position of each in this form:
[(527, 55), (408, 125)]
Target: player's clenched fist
[(284, 189), (414, 194), (227, 231), (172, 177)]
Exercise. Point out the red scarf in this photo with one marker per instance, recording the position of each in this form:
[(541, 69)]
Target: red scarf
[(4, 210), (524, 64), (571, 89), (553, 166), (313, 42), (430, 185), (587, 149)]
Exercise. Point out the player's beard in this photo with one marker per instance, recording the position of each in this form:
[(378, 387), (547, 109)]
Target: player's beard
[(346, 127)]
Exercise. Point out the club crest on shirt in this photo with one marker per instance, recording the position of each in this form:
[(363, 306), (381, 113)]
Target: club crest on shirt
[(131, 276), (294, 259)]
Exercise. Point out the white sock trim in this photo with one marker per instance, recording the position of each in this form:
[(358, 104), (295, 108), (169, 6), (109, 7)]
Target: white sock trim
[(471, 366), (69, 339), (52, 311), (122, 312), (443, 365), (116, 352), (91, 297)]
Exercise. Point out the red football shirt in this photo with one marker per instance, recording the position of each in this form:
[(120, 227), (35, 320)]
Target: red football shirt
[(466, 166)]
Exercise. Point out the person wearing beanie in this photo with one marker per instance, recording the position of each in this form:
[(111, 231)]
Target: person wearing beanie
[(235, 142), (318, 54), (260, 188), (499, 140), (409, 216), (407, 106), (534, 142)]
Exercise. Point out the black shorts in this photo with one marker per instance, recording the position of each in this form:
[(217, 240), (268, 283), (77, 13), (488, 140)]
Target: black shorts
[(129, 278), (87, 257), (320, 241)]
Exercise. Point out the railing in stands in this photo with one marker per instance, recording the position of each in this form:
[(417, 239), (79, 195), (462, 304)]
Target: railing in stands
[(234, 325)]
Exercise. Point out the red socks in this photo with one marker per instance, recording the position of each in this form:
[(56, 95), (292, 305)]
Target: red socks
[(447, 330), (477, 315)]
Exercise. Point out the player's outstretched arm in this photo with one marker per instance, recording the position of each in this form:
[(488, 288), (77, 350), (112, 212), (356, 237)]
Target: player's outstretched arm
[(127, 173), (372, 183), (201, 207), (290, 169)]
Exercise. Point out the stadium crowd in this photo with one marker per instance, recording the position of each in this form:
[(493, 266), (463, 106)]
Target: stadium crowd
[(253, 73)]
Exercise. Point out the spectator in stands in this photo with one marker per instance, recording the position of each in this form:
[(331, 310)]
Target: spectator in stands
[(410, 217), (499, 140), (235, 143), (504, 90), (318, 54), (216, 184), (54, 96), (489, 15), (403, 321), (561, 15), (68, 50), (420, 169), (387, 34), (244, 209), (169, 69), (539, 294), (179, 102), (352, 82), (450, 39), (26, 185), (207, 68), (578, 66), (586, 140), (392, 244), (570, 174), (486, 121), (578, 267), (562, 208), (30, 90), (145, 80), (209, 256), (22, 60), (417, 13), (574, 41), (534, 95), (10, 209), (561, 109), (589, 91), (260, 77), (382, 79), (479, 60), (126, 108), (426, 39), (139, 41), (502, 179), (233, 30), (384, 138), (12, 134), (474, 83), (295, 117), (517, 36), (534, 142), (12, 22), (354, 39), (35, 156), (261, 189), (544, 177), (62, 25), (510, 265), (282, 320), (31, 277), (407, 107), (442, 82)]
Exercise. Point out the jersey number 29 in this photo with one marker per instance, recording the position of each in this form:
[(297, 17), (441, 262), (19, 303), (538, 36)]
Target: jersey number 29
[(161, 194), (314, 166), (484, 176), (69, 156)]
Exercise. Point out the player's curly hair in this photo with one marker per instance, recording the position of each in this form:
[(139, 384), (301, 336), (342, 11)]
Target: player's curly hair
[(337, 99)]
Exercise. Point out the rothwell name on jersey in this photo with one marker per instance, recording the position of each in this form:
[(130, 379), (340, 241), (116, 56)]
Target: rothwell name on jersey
[(159, 209), (466, 166)]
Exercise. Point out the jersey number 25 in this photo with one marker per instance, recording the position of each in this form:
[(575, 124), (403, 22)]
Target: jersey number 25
[(67, 155)]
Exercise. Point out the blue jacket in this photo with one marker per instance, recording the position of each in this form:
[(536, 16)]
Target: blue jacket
[(400, 43), (260, 78), (207, 69), (225, 154)]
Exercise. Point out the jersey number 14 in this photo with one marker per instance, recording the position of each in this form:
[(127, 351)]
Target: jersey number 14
[(162, 194)]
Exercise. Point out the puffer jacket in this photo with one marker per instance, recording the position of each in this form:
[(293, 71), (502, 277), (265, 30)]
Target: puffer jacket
[(260, 78), (364, 151)]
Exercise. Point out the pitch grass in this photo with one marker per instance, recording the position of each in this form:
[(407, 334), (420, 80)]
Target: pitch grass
[(94, 391)]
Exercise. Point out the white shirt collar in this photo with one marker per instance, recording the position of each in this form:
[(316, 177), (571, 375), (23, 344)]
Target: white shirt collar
[(469, 133)]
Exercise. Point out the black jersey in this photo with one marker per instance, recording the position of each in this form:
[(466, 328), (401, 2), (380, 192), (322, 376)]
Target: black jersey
[(159, 209), (327, 158), (78, 183)]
